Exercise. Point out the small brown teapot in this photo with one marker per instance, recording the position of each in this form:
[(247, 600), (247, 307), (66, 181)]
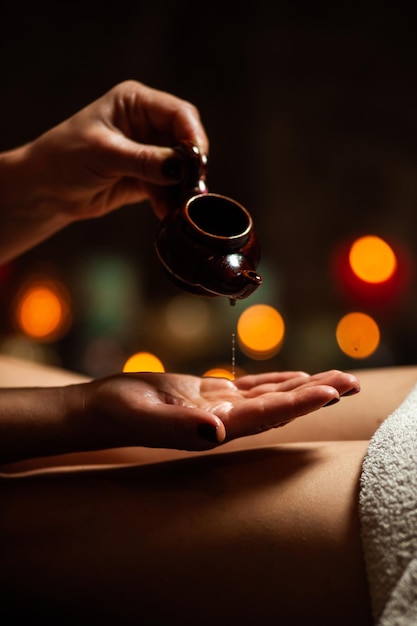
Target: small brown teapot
[(208, 245)]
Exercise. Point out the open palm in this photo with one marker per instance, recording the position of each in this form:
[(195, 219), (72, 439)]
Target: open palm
[(196, 413)]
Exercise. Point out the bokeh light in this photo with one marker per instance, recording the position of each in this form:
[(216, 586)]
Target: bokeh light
[(357, 335), (370, 273), (23, 347), (225, 371), (220, 372), (187, 317), (42, 309), (143, 362), (372, 259), (260, 331), (107, 293)]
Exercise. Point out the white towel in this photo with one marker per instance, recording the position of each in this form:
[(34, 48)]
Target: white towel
[(388, 510)]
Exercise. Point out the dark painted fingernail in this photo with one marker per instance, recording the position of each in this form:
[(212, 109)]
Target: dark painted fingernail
[(208, 432), (332, 401), (351, 392), (172, 169)]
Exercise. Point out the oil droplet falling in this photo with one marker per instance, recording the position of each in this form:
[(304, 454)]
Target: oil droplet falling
[(234, 355)]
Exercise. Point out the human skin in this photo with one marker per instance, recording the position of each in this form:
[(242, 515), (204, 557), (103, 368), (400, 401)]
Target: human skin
[(260, 530), (158, 410), (103, 517), (116, 151)]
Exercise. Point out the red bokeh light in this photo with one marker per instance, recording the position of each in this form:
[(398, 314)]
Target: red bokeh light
[(386, 295)]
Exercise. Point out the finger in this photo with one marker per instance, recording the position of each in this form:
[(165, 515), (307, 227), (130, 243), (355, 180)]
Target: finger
[(180, 427), (187, 125), (271, 410), (283, 386), (149, 163), (253, 380), (174, 117), (147, 111), (344, 383)]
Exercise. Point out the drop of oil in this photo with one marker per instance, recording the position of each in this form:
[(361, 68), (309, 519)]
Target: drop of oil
[(234, 355)]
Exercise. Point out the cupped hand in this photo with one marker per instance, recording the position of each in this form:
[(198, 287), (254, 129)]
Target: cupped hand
[(118, 150), (167, 410)]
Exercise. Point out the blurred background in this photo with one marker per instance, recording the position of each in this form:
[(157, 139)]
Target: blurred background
[(311, 114)]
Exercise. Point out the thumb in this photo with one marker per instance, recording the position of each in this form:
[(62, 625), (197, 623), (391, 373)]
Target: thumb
[(152, 164), (183, 428)]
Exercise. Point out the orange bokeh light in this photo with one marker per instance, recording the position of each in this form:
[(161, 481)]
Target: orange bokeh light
[(219, 372), (350, 283), (42, 310), (372, 259), (357, 335), (260, 330), (143, 362)]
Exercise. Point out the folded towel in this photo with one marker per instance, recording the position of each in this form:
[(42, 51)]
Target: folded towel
[(388, 512)]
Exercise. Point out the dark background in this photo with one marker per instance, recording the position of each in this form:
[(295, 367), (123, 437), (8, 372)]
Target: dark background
[(311, 114)]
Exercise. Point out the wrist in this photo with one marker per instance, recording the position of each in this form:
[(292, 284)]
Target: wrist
[(27, 214), (44, 421)]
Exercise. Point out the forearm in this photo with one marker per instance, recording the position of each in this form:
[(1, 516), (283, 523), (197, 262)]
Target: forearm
[(45, 421), (27, 214)]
